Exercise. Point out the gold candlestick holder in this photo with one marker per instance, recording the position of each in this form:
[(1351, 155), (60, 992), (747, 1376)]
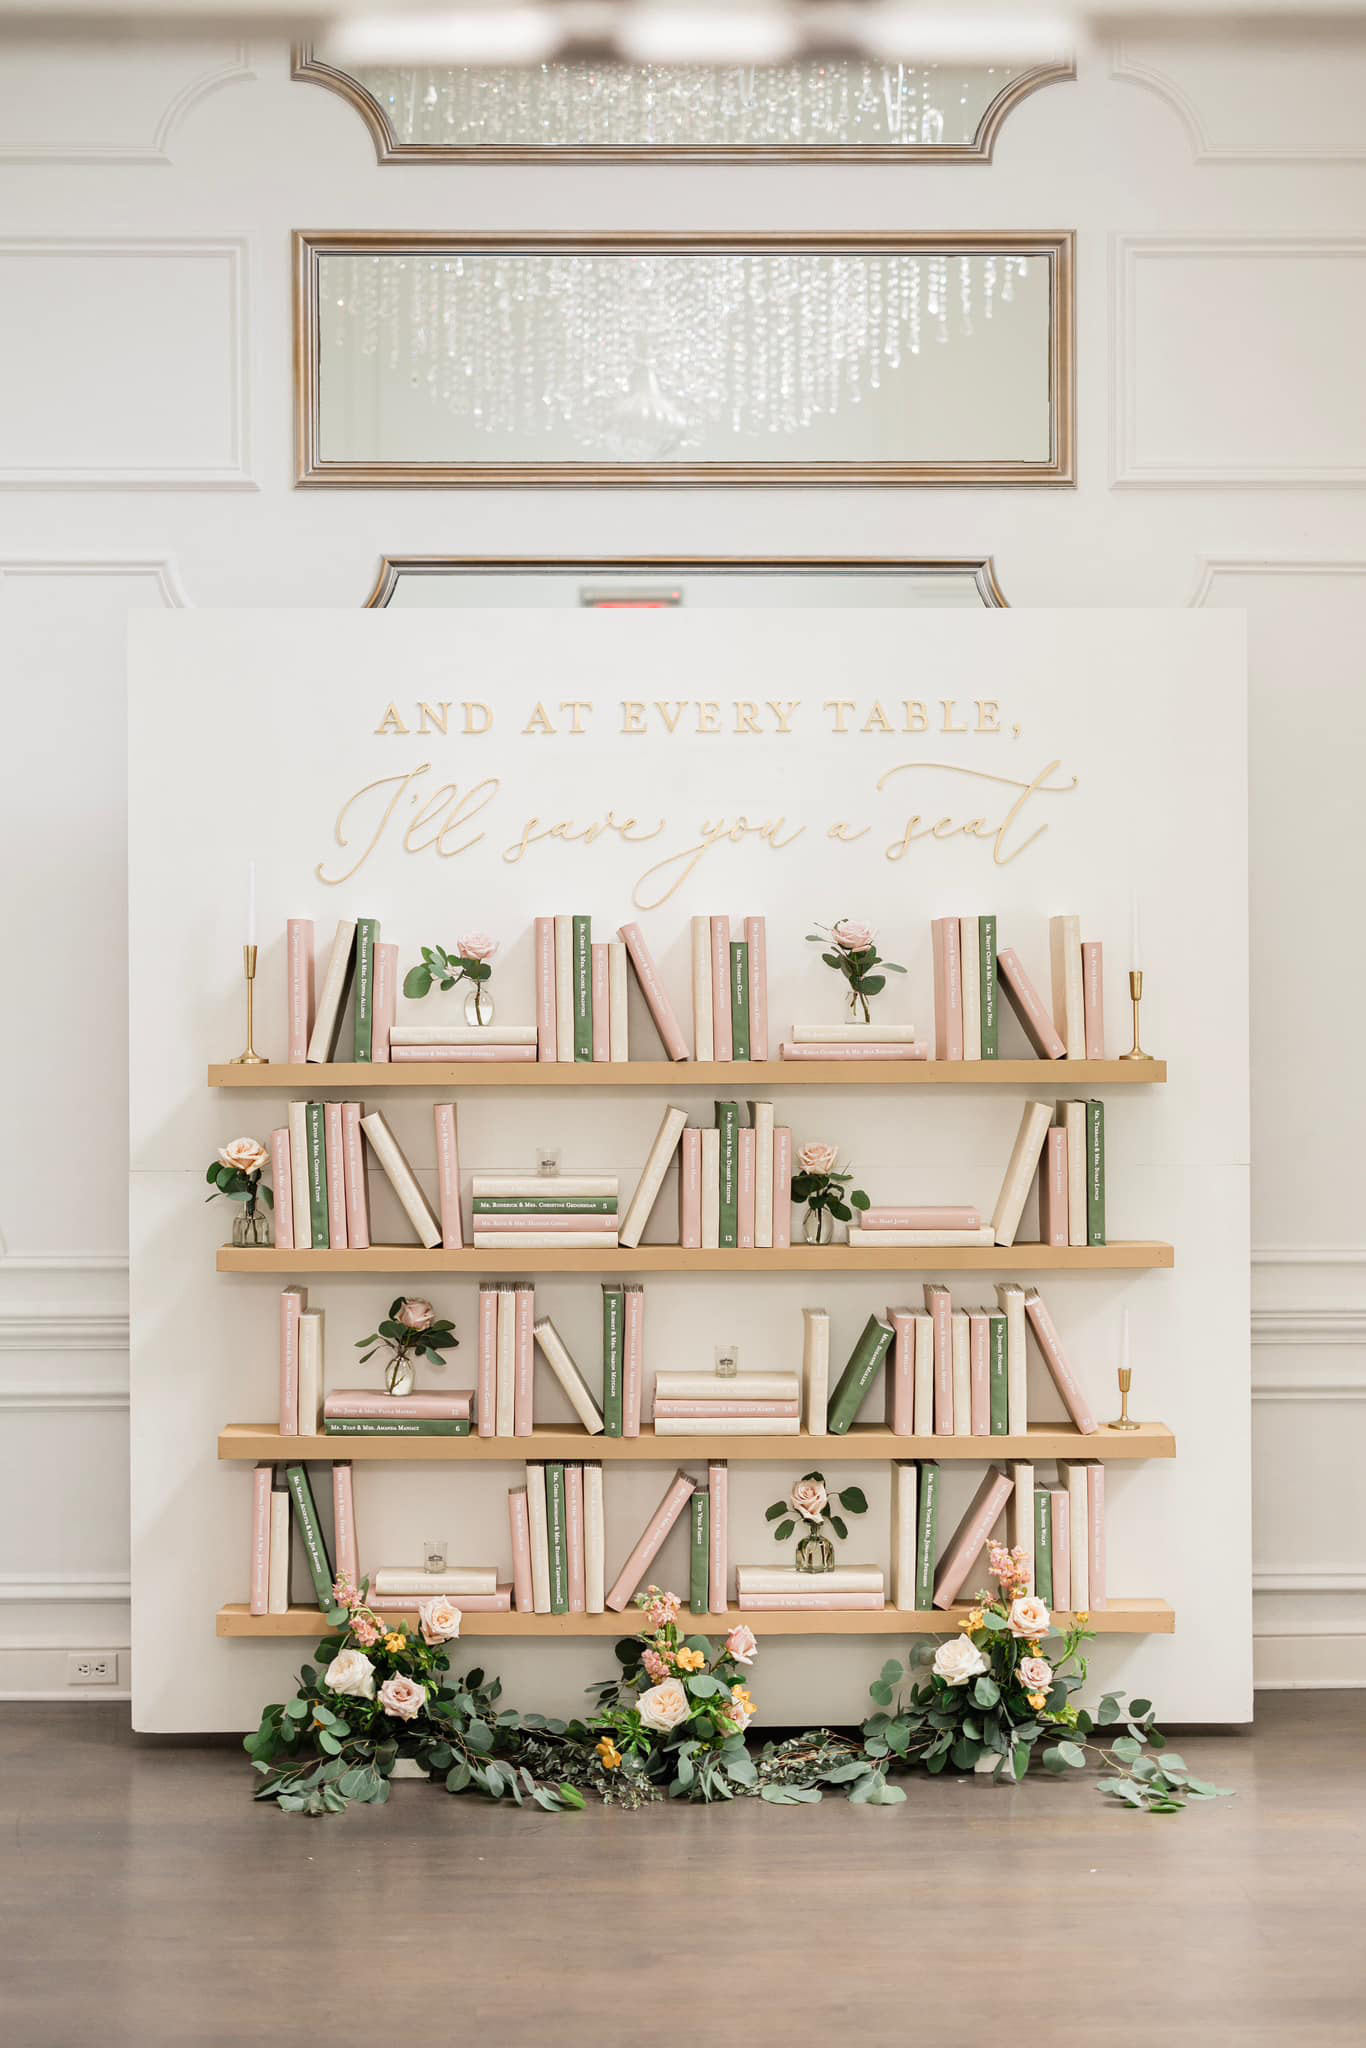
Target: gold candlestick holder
[(1126, 1380), (251, 1057), (1136, 1051)]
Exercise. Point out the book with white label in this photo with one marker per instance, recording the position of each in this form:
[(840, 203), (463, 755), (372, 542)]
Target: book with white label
[(402, 1178)]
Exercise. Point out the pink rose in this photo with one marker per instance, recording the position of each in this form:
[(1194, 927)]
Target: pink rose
[(415, 1315), (1028, 1616), (364, 1630), (654, 1665), (248, 1155), (818, 1158), (810, 1499), (852, 937), (478, 946), (439, 1620), (742, 1644), (664, 1706), (1034, 1674), (402, 1697)]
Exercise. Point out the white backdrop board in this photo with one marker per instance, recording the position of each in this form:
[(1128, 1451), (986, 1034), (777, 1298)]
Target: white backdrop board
[(889, 767)]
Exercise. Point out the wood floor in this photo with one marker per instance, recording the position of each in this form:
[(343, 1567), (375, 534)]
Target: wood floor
[(144, 1900)]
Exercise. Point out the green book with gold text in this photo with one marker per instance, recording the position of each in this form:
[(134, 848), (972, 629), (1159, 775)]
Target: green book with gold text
[(316, 1130), (990, 996), (927, 1533), (395, 1425), (998, 1375), (858, 1375), (367, 938), (699, 1555), (557, 1539), (310, 1528), (583, 987), (613, 1359), (728, 1213), (1043, 1545), (1095, 1173), (739, 999)]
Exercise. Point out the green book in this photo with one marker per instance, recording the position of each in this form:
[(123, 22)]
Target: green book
[(699, 1583), (739, 999), (557, 1540), (1043, 1546), (728, 1221), (545, 1205), (991, 997), (998, 1375), (858, 1375), (315, 1126), (1095, 1173), (613, 1359), (367, 938), (310, 1528), (583, 988), (927, 1533), (395, 1425)]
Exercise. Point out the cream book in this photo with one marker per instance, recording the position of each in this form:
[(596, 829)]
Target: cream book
[(546, 1240), (618, 1038), (402, 1178), (555, 1352), (332, 993), (1020, 1519), (540, 1538), (853, 1034), (905, 1491), (1019, 1174), (519, 1527), (711, 1189), (960, 1353), (1011, 1297), (727, 1425), (969, 945), (597, 1185), (299, 980), (463, 1034), (761, 1120), (1073, 1474), (594, 1556), (1074, 1124), (564, 988), (505, 1361), (414, 1579), (652, 1176), (843, 1578), (702, 1041), (739, 1386), (815, 1368), (260, 1539), (1069, 1009), (278, 1572), (310, 1372), (298, 1175), (874, 1238)]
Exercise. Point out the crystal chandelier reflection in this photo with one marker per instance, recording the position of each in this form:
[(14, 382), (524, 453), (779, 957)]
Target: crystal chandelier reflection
[(642, 355)]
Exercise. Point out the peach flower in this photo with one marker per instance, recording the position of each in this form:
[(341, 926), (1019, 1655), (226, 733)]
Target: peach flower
[(851, 936), (415, 1315), (1034, 1673), (477, 946), (402, 1697), (664, 1706), (351, 1675), (439, 1620), (655, 1666), (1028, 1616), (810, 1499), (818, 1158), (248, 1155), (742, 1644)]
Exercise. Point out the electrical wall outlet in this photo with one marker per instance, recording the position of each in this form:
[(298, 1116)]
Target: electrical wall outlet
[(92, 1667)]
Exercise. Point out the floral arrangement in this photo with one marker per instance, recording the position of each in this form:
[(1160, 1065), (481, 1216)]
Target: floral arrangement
[(675, 1718), (439, 969), (809, 1506), (411, 1330), (822, 1187), (236, 1173), (856, 957), (386, 1693)]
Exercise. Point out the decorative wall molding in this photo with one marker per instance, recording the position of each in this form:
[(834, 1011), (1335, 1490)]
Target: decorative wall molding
[(1314, 1578), (1132, 68), (51, 1589), (1128, 469), (1212, 567), (1309, 1255), (222, 67), (160, 568), (233, 473), (62, 1262), (61, 1326)]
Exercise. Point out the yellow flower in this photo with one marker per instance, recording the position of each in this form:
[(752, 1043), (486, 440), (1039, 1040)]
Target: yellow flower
[(1038, 1700), (609, 1754), (741, 1695), (1034, 1650), (689, 1660), (1081, 1617), (396, 1643), (972, 1619)]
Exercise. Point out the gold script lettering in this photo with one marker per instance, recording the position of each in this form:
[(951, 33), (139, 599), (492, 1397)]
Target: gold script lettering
[(976, 828)]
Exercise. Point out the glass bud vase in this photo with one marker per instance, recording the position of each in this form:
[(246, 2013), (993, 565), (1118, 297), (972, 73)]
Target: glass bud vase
[(251, 1226), (815, 1553), (400, 1376), (479, 1005), (818, 1226)]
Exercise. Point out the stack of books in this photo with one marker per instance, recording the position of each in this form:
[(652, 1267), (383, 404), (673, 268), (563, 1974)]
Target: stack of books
[(281, 1495), (556, 1521), (474, 1588), (729, 990), (735, 1180), (507, 1316), (741, 1404), (1072, 1176), (580, 993), (314, 1028), (468, 1042), (355, 1411), (970, 976), (775, 1587), (543, 1212), (1061, 1529), (318, 1168), (911, 1225), (854, 1042)]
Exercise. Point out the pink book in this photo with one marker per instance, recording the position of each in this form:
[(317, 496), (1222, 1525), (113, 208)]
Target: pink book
[(520, 1524), (939, 1302), (293, 1302), (524, 1317), (1025, 1001), (744, 1228), (486, 1405), (336, 1176), (783, 1410), (468, 1603), (979, 1370), (756, 938), (1095, 1527), (260, 1540), (1062, 1546), (346, 1550), (690, 1190), (782, 1187), (921, 1219), (681, 1487), (722, 1041), (282, 1181), (633, 1359), (652, 988), (545, 994), (1053, 1188), (462, 1055), (386, 1000), (448, 1175), (299, 979), (972, 1532), (600, 957), (495, 1226), (573, 1535), (867, 1049), (718, 1483), (811, 1603), (901, 1383), (353, 1173), (1093, 997), (455, 1407), (948, 989), (1055, 1358)]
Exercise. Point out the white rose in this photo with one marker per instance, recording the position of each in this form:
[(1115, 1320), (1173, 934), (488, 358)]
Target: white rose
[(248, 1155), (478, 946), (958, 1660), (851, 936), (1029, 1616), (664, 1706), (351, 1674), (818, 1158)]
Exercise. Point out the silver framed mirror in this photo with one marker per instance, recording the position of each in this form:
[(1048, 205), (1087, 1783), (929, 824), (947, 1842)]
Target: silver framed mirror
[(650, 582)]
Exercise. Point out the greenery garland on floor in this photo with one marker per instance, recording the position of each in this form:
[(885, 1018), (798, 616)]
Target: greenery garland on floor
[(673, 1722)]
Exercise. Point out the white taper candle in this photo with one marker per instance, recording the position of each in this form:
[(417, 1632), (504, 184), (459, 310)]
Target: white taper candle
[(251, 903)]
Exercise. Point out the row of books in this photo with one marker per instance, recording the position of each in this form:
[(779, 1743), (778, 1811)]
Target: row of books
[(317, 1164), (580, 992), (729, 990), (734, 1182), (315, 1020), (733, 1404), (971, 976), (1064, 1143), (282, 1501), (1060, 1529)]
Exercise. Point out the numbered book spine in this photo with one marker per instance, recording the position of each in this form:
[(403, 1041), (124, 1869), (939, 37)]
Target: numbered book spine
[(969, 947), (703, 1042), (999, 1371), (293, 1302), (601, 1003), (557, 1541), (744, 1228), (633, 1356), (739, 999), (756, 939), (728, 1200), (386, 999), (282, 1182), (545, 990), (299, 975), (989, 1001), (395, 1425), (260, 1540), (505, 1377), (1093, 997), (363, 1035), (1095, 1173), (448, 1175), (858, 1375), (573, 1535), (939, 1303), (1043, 1546), (344, 1523), (905, 1475), (583, 988), (927, 1534), (316, 1124), (718, 1489), (948, 989), (782, 1187), (524, 1356), (722, 1041), (613, 1359), (690, 1190), (699, 1576), (334, 1146), (310, 1528), (979, 1365), (486, 1401), (357, 1193)]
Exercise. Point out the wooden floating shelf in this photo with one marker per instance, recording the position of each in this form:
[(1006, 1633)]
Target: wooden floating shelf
[(866, 1442), (352, 1076), (1131, 1256), (1120, 1618)]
